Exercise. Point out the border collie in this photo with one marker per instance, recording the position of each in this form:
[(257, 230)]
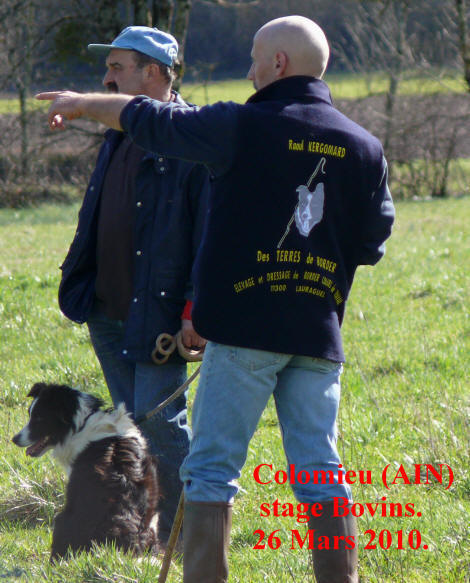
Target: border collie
[(112, 491)]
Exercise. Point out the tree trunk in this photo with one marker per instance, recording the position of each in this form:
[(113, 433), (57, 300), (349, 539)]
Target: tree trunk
[(24, 88), (180, 29), (464, 41), (390, 100), (108, 20), (142, 16), (24, 156), (397, 65), (162, 14)]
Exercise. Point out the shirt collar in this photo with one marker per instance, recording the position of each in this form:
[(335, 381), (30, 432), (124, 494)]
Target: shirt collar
[(116, 135), (177, 98)]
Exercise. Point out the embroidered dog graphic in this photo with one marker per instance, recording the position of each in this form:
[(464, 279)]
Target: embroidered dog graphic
[(309, 209)]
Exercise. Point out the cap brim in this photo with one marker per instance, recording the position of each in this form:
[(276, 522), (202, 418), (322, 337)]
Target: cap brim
[(100, 49)]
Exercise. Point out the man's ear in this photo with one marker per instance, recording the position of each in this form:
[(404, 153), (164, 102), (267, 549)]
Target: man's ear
[(152, 71), (281, 61)]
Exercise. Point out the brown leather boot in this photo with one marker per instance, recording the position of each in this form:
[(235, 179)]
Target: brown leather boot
[(338, 563), (206, 538)]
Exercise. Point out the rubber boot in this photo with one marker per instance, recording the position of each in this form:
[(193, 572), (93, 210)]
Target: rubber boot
[(338, 563), (206, 538)]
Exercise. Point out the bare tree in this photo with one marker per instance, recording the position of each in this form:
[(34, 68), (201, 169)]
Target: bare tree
[(452, 20), (422, 135), (173, 16), (377, 40), (464, 37), (16, 23), (24, 29)]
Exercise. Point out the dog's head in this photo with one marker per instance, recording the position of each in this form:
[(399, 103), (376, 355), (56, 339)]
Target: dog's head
[(56, 411)]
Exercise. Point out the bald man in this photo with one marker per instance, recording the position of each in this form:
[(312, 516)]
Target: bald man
[(299, 201)]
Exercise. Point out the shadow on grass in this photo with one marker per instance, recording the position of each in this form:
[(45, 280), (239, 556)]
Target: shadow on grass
[(10, 575)]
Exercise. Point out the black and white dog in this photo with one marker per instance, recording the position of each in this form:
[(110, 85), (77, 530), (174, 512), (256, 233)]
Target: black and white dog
[(112, 491)]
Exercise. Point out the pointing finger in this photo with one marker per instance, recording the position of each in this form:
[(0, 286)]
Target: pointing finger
[(48, 95)]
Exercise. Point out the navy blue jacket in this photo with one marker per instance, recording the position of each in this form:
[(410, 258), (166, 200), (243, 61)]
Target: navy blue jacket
[(299, 200), (171, 203)]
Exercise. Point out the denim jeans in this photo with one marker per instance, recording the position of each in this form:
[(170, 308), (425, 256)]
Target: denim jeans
[(234, 389), (142, 386)]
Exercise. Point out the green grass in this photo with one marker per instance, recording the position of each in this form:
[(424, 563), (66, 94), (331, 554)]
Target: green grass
[(232, 90), (342, 85), (11, 105), (405, 401), (355, 86)]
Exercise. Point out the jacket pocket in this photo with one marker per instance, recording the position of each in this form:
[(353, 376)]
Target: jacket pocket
[(168, 287), (167, 302)]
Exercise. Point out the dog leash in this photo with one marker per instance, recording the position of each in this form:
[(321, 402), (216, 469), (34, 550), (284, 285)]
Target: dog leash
[(165, 345), (171, 398)]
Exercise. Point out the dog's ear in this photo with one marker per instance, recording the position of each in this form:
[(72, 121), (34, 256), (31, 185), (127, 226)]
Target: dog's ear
[(94, 403), (36, 389), (70, 399), (66, 401)]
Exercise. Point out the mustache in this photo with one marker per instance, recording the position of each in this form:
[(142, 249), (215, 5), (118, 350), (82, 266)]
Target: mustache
[(112, 87)]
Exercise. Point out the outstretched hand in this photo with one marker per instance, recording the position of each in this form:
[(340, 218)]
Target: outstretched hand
[(65, 106)]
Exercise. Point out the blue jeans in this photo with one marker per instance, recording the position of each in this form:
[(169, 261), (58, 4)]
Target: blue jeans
[(234, 389), (142, 386)]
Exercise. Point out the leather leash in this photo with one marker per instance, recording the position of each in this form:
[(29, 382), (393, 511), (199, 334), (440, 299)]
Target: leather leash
[(164, 346)]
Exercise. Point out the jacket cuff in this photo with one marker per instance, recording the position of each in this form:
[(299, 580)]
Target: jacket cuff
[(128, 111)]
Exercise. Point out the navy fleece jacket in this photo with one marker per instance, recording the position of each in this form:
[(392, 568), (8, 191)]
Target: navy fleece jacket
[(299, 200)]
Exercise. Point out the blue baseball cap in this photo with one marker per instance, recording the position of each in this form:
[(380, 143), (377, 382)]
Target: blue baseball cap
[(150, 41)]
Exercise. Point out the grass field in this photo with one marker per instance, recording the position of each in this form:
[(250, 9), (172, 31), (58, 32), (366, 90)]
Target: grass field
[(343, 86), (405, 402)]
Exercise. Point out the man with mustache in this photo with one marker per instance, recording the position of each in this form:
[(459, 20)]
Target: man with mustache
[(128, 270)]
